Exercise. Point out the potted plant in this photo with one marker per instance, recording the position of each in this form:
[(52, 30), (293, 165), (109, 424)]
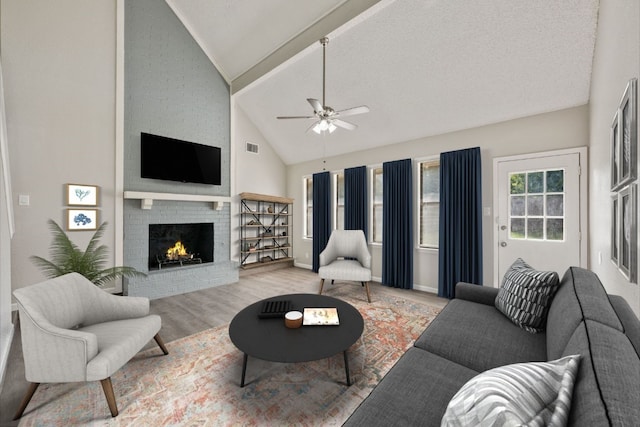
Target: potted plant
[(66, 257)]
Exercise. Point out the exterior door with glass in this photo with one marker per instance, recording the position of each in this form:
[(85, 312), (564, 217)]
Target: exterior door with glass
[(539, 202)]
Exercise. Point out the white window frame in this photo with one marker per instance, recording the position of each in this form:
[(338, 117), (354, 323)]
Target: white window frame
[(418, 199), (306, 233), (334, 199), (371, 172)]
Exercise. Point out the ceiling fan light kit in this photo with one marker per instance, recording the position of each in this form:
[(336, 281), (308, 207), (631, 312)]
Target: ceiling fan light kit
[(327, 117), (322, 126)]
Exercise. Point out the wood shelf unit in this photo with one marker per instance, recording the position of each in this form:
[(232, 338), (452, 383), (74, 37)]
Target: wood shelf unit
[(265, 230)]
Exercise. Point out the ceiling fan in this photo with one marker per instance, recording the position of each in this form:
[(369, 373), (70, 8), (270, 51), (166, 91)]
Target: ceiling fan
[(328, 118)]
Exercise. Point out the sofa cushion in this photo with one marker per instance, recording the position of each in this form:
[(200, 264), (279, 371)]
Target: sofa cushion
[(414, 392), (345, 269), (608, 386), (580, 296), (525, 295), (480, 337), (535, 393), (629, 321)]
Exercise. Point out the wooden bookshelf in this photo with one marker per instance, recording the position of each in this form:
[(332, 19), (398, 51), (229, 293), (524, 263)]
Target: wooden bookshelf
[(265, 230)]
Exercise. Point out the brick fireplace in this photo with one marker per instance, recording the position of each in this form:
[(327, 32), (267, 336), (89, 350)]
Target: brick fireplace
[(196, 223)]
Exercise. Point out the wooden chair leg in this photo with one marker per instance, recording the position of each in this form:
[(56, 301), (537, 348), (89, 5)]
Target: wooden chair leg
[(366, 286), (26, 399), (111, 397), (161, 344), (321, 286)]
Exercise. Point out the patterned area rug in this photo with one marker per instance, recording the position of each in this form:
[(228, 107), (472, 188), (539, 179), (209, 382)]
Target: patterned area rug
[(197, 384)]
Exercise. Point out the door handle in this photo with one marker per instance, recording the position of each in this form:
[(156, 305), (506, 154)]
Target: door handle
[(503, 244), (503, 227)]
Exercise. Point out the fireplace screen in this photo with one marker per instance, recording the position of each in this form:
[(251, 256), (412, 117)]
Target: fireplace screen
[(179, 245)]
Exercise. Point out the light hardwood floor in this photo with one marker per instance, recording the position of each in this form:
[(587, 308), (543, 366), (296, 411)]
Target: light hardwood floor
[(186, 314)]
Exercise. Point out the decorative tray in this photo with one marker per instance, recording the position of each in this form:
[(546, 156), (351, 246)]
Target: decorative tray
[(274, 308)]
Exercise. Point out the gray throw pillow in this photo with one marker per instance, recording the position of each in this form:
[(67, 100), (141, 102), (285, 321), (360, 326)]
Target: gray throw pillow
[(531, 394), (526, 294)]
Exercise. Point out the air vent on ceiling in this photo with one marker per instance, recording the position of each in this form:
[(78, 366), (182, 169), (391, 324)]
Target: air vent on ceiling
[(252, 148)]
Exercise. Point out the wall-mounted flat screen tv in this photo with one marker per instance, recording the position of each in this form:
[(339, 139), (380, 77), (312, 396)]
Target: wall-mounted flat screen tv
[(176, 160)]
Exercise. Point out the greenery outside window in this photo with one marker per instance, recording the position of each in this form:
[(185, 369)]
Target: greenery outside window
[(536, 205)]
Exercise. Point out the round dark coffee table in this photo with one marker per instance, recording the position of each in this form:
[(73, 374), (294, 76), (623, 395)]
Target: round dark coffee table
[(269, 339)]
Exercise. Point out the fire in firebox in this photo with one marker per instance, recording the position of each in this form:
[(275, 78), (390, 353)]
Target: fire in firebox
[(178, 251), (179, 245), (177, 255)]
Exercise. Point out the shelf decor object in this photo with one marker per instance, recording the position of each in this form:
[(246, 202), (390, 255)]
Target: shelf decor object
[(82, 195), (265, 230)]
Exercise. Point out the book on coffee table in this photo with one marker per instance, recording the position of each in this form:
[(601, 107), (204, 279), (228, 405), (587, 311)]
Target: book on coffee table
[(320, 316)]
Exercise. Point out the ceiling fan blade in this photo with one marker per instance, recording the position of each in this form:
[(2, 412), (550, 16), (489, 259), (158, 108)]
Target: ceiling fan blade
[(353, 111), (343, 124), (296, 117), (317, 106)]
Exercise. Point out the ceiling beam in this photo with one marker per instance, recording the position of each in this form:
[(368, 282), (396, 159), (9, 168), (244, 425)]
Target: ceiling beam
[(333, 20)]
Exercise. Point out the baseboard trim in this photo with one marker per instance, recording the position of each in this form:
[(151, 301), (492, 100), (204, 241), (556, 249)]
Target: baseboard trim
[(422, 288), (298, 264)]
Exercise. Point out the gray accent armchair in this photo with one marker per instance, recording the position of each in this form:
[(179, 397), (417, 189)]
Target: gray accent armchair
[(346, 257), (73, 331)]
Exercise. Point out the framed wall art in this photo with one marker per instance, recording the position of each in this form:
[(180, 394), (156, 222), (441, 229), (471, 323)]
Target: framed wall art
[(624, 139), (82, 219), (627, 223), (614, 230), (628, 133), (615, 152), (82, 195)]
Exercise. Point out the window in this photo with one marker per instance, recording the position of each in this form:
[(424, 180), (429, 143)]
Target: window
[(338, 201), (307, 231), (429, 204), (376, 222), (536, 205)]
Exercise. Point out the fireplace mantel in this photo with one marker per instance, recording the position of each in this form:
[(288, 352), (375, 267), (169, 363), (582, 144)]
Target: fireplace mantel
[(147, 198)]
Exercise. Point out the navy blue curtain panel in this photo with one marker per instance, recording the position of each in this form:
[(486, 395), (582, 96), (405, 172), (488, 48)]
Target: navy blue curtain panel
[(397, 224), (355, 199), (460, 251), (321, 215)]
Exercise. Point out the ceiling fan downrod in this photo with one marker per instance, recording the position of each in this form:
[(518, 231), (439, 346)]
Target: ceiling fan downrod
[(324, 42)]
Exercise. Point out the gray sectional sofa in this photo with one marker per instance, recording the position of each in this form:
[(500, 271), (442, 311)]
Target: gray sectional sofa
[(471, 336)]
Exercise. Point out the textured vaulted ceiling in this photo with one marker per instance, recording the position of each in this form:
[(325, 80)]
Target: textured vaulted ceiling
[(424, 67)]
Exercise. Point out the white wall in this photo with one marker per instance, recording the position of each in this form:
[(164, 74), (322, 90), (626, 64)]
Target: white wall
[(616, 60), (6, 221), (59, 62), (262, 173), (562, 129)]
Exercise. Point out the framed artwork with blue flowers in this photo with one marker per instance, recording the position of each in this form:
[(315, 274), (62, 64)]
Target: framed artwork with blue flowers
[(82, 219), (82, 195)]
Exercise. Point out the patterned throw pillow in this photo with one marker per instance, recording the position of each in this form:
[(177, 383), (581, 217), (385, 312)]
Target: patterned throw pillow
[(532, 394), (526, 294)]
